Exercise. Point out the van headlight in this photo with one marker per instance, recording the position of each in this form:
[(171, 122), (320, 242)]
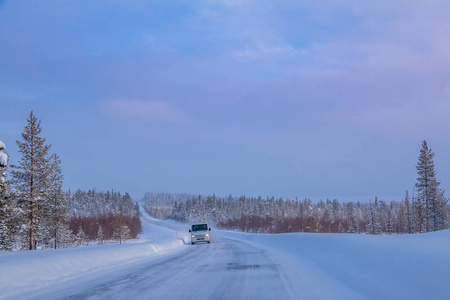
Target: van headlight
[(193, 236), (207, 234)]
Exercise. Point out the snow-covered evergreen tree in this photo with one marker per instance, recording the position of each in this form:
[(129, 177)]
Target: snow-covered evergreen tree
[(100, 236), (8, 211), (408, 215), (121, 233), (57, 229), (8, 220), (418, 215), (80, 237), (428, 192), (439, 211), (374, 226), (30, 179), (121, 230), (388, 228)]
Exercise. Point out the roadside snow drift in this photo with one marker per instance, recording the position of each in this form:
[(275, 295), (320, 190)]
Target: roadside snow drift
[(46, 269), (356, 266)]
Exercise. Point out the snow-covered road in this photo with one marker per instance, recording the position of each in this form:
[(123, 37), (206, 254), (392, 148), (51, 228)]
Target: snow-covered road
[(235, 266), (226, 270)]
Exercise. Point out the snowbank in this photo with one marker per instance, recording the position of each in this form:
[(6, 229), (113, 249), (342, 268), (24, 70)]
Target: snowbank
[(28, 270), (355, 266)]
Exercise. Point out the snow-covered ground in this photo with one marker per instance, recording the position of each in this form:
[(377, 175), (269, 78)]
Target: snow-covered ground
[(28, 273), (235, 266), (352, 266)]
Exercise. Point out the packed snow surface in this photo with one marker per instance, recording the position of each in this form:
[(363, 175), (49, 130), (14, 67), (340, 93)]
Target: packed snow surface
[(235, 266)]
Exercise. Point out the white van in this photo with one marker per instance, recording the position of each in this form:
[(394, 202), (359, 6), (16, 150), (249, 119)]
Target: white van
[(200, 232)]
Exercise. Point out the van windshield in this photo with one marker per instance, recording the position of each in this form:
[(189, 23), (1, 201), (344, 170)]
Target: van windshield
[(200, 227)]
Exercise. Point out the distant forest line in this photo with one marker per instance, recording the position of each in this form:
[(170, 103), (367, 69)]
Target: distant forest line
[(278, 215), (427, 210)]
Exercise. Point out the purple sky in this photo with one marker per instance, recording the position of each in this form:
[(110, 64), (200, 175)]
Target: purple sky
[(292, 98)]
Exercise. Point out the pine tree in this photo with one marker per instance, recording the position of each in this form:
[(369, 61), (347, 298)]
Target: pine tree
[(30, 179), (121, 233), (65, 237), (81, 236), (57, 228), (408, 226), (440, 212), (100, 236), (8, 211), (429, 194), (374, 226), (388, 228), (8, 220), (418, 215)]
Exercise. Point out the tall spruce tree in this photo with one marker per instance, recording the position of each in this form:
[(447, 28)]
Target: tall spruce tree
[(418, 215), (57, 231), (30, 179), (429, 196), (373, 227), (408, 222), (439, 211)]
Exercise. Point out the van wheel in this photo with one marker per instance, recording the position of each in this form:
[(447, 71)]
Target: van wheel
[(192, 243), (209, 242)]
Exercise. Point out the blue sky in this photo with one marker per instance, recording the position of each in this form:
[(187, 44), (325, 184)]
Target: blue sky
[(288, 98)]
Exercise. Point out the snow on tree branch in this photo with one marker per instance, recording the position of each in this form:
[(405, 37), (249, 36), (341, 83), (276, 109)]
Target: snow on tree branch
[(3, 159), (3, 162)]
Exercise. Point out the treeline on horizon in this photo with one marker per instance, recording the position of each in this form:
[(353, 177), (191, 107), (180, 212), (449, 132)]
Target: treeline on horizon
[(35, 212), (426, 211), (277, 215)]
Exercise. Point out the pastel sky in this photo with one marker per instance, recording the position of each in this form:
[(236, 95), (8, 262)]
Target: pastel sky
[(316, 99)]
